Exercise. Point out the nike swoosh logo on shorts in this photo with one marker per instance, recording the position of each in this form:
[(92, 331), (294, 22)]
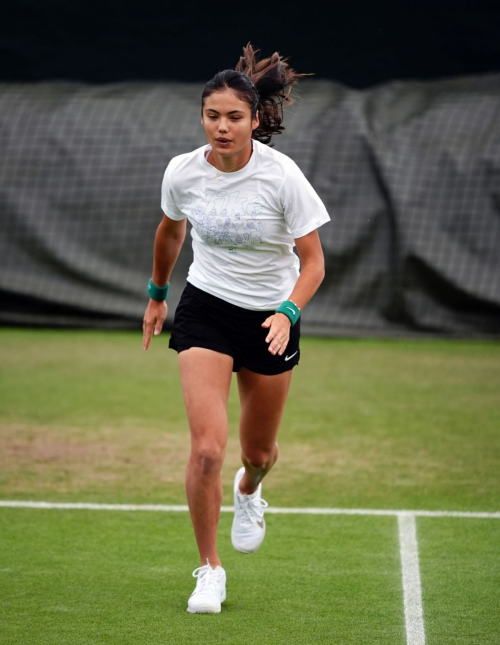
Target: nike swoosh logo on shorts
[(287, 358)]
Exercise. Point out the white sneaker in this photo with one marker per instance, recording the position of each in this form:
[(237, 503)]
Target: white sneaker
[(249, 526), (210, 590)]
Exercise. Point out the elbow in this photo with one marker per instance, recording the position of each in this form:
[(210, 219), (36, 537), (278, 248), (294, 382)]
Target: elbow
[(320, 271), (315, 270)]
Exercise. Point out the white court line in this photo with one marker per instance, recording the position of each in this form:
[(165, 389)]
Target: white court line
[(166, 508), (412, 590)]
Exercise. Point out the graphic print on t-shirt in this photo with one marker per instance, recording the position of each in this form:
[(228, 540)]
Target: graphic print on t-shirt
[(224, 219)]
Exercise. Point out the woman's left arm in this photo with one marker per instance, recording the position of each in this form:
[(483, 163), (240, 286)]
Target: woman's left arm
[(312, 272), (312, 268)]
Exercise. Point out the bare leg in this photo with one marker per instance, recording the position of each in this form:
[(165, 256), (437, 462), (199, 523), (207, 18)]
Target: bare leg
[(206, 380), (262, 400)]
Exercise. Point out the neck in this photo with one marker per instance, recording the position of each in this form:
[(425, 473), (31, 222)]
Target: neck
[(234, 162)]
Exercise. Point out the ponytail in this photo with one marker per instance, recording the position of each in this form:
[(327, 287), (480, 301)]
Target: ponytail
[(273, 79), (265, 85)]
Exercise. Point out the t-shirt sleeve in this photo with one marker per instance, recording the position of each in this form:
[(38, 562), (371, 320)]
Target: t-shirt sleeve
[(303, 209), (168, 205)]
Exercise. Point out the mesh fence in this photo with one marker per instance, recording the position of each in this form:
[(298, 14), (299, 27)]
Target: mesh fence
[(409, 172)]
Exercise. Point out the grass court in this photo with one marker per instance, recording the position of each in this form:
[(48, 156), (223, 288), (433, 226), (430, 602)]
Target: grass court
[(88, 417)]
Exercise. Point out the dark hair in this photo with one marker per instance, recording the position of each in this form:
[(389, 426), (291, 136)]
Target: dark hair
[(264, 84)]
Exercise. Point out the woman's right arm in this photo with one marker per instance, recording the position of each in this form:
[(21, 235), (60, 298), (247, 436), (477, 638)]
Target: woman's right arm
[(169, 238)]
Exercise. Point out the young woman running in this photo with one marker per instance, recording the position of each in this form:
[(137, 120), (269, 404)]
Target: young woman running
[(248, 206)]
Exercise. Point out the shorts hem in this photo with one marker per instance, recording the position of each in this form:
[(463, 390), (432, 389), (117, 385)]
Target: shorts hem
[(272, 371), (181, 347)]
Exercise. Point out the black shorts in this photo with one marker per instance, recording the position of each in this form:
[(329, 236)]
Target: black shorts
[(202, 320)]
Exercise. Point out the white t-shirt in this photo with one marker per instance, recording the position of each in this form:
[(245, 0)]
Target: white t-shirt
[(243, 223)]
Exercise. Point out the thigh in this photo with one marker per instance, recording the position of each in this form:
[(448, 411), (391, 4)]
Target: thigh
[(206, 381), (263, 399)]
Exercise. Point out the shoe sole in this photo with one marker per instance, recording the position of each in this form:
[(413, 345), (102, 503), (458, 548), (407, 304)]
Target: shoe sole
[(208, 609), (204, 610), (246, 552)]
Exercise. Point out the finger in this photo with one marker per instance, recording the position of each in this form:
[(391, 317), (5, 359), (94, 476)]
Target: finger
[(148, 332), (160, 319), (277, 331), (278, 346), (274, 336), (267, 322), (279, 337), (283, 348), (279, 341), (272, 328)]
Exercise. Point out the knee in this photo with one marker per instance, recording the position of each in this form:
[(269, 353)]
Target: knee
[(260, 459), (208, 459)]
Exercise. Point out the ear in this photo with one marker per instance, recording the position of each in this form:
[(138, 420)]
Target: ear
[(255, 121)]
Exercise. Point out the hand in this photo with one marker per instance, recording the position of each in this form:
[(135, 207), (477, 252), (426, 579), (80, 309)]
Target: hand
[(154, 318), (279, 332)]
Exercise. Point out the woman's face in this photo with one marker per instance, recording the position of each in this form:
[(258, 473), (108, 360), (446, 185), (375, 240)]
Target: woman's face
[(228, 122)]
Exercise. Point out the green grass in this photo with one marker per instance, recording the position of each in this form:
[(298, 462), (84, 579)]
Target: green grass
[(89, 416), (95, 577), (377, 424), (460, 565)]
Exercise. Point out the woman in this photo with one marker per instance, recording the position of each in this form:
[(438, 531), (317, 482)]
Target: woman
[(248, 205)]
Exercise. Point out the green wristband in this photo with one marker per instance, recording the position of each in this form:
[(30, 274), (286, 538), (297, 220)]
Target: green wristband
[(290, 310), (157, 293)]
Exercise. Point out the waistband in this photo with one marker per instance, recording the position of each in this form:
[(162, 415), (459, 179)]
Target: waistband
[(223, 305)]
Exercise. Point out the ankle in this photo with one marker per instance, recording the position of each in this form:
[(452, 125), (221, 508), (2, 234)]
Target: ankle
[(213, 562), (248, 486)]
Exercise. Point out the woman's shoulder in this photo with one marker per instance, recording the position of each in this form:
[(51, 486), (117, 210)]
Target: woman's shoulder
[(180, 163), (281, 162)]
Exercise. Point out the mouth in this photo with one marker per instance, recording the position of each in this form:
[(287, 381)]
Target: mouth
[(223, 140)]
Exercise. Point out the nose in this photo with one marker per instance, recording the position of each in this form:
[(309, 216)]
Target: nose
[(223, 125)]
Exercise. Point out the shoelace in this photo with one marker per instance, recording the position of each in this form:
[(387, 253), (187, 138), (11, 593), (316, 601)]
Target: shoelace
[(207, 578), (252, 509)]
